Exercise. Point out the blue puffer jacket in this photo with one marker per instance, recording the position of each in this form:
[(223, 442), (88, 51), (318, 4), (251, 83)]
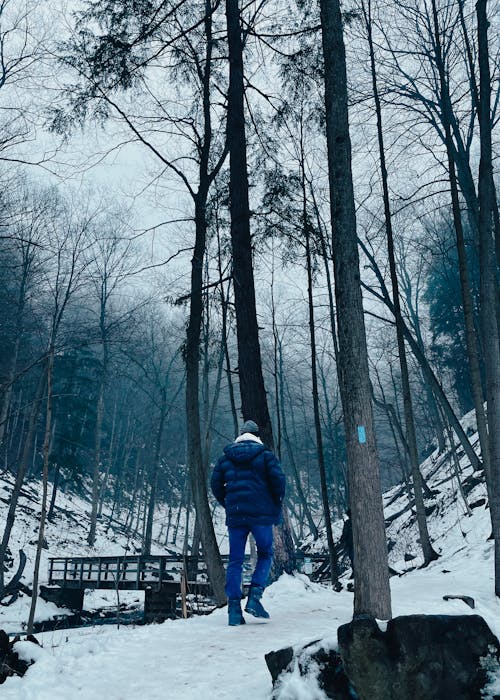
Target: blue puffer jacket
[(248, 481)]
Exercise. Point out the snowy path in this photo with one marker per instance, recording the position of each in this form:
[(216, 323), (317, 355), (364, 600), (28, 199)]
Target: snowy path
[(197, 659), (204, 659)]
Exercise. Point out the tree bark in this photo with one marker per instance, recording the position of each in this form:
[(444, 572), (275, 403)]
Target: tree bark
[(489, 278), (253, 393), (371, 583), (252, 389), (194, 453), (21, 471), (154, 472), (291, 458), (334, 572), (45, 481)]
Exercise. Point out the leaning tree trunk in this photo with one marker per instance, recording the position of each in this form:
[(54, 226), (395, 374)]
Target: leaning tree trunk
[(489, 279), (427, 370), (411, 437), (252, 389), (371, 583)]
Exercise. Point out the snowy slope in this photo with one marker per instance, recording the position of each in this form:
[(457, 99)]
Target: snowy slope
[(203, 658), (67, 536)]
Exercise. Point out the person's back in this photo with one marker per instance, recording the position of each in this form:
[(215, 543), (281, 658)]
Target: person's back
[(249, 483)]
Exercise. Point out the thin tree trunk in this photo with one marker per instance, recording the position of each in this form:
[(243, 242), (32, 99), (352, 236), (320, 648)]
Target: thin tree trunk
[(489, 278), (53, 495), (104, 484), (334, 573), (130, 515), (428, 551), (45, 481), (224, 331), (252, 389), (21, 471), (424, 365), (371, 584), (194, 455), (291, 457), (465, 284), (97, 459), (154, 473), (456, 469)]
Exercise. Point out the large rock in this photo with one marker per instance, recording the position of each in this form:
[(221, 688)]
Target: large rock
[(418, 657), (11, 663), (324, 664)]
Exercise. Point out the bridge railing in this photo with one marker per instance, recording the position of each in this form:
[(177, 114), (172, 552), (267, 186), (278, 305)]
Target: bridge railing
[(141, 571)]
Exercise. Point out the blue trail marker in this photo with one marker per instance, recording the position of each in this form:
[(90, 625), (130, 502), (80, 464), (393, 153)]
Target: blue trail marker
[(361, 434)]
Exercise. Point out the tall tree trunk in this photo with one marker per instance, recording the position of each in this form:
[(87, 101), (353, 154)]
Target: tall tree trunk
[(465, 284), (194, 448), (9, 383), (45, 481), (21, 471), (154, 473), (97, 459), (371, 583), (411, 437), (109, 461), (194, 453), (489, 278), (252, 390), (253, 393), (291, 456), (334, 573)]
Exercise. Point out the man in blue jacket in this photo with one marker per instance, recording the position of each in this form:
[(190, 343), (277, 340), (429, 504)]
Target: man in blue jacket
[(249, 483)]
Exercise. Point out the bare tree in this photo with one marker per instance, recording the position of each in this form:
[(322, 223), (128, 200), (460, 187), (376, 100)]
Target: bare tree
[(372, 593), (427, 549), (489, 271), (64, 271), (110, 263)]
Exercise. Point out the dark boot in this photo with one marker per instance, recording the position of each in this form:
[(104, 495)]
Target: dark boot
[(234, 611), (254, 606)]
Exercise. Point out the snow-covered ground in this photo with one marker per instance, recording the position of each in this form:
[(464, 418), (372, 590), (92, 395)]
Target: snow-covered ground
[(203, 658)]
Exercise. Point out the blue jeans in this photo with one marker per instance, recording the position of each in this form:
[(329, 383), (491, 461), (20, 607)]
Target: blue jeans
[(263, 535)]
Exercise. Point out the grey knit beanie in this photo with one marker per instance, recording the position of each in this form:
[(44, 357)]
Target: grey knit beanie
[(249, 426)]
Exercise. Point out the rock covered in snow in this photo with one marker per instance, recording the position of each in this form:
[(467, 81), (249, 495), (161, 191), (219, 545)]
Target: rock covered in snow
[(16, 656), (417, 657)]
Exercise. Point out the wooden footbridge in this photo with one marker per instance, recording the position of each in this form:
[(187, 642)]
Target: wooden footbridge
[(167, 580)]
